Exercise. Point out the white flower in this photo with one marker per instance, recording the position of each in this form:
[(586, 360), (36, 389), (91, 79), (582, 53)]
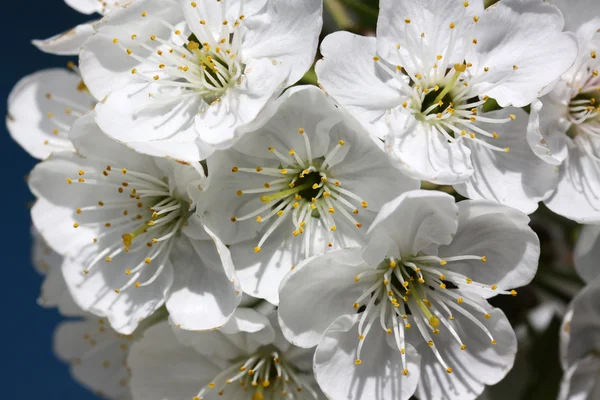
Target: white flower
[(308, 180), (97, 356), (43, 106), (181, 75), (70, 42), (587, 253), (421, 281), (130, 238), (580, 344), (422, 85), (54, 291), (564, 129), (246, 359), (95, 352)]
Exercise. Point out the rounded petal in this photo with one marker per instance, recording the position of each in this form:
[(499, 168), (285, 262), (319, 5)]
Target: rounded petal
[(577, 196), (503, 236), (287, 32), (577, 13), (583, 337), (317, 292), (423, 153), (42, 107), (87, 6), (378, 377), (579, 382), (480, 364), (417, 220), (522, 44), (205, 291), (104, 65), (547, 132), (306, 108), (96, 354), (96, 291), (68, 43), (587, 253), (162, 368), (131, 116), (517, 178), (365, 170), (348, 73)]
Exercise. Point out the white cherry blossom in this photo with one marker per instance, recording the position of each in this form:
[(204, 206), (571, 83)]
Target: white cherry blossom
[(43, 106), (587, 253), (580, 344), (422, 86), (126, 226), (181, 76), (246, 359), (420, 283), (306, 181), (564, 128)]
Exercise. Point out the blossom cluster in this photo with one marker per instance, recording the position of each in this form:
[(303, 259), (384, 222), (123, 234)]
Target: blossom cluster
[(222, 228)]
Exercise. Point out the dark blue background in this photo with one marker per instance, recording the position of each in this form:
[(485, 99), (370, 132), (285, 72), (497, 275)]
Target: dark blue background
[(29, 368)]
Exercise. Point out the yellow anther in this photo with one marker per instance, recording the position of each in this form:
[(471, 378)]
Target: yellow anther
[(233, 219), (239, 193), (115, 40), (405, 372), (443, 285), (75, 225), (469, 280), (292, 152), (356, 305), (507, 149), (148, 260), (389, 331), (487, 316), (421, 280), (452, 25), (459, 300), (376, 58), (494, 342), (235, 169), (513, 292), (257, 249), (407, 21), (364, 204), (494, 287), (449, 370), (513, 117), (358, 362), (361, 337), (117, 291), (443, 262), (434, 321), (430, 343)]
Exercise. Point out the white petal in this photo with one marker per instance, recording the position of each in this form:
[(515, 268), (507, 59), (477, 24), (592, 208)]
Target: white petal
[(587, 253), (417, 220), (423, 153), (547, 132), (95, 292), (97, 356), (379, 377), (216, 123), (577, 196), (104, 66), (480, 364), (221, 202), (583, 337), (287, 32), (86, 6), (42, 107), (525, 35), (162, 368), (306, 108), (131, 116), (68, 43), (348, 73), (205, 291), (518, 178), (317, 292), (579, 382), (503, 236), (577, 13), (364, 169), (56, 294)]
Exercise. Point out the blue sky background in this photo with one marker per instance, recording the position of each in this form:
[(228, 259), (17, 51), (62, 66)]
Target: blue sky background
[(29, 368)]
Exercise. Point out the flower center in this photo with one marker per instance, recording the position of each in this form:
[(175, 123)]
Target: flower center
[(445, 98), (303, 190), (264, 375), (424, 288), (205, 63), (143, 222)]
